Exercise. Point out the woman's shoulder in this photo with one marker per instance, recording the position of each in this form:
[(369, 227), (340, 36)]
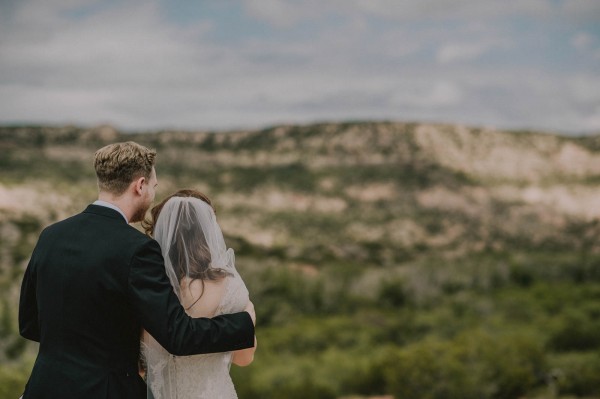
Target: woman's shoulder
[(201, 298), (196, 285)]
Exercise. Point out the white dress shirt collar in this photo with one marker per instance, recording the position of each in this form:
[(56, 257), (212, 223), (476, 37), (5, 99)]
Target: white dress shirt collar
[(111, 206)]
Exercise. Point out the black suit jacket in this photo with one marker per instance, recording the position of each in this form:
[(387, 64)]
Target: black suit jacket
[(92, 283)]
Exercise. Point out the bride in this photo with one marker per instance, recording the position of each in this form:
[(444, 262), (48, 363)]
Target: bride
[(203, 275)]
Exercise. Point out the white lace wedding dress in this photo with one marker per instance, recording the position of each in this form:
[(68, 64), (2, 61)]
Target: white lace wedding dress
[(198, 376)]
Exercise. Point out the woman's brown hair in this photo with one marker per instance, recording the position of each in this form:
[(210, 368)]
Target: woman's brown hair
[(199, 267), (148, 224)]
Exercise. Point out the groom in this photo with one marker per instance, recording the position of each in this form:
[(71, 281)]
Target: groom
[(93, 282)]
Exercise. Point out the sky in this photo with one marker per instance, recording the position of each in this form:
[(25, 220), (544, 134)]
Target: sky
[(233, 64)]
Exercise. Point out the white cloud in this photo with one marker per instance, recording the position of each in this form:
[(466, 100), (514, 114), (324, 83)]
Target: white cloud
[(445, 93), (578, 10), (453, 52), (584, 89), (433, 96), (591, 122), (127, 63), (407, 10), (281, 13), (582, 41), (287, 13)]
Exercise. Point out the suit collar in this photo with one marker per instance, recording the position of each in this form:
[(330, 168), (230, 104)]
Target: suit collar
[(104, 211)]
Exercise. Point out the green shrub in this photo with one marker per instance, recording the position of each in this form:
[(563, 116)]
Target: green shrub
[(274, 377), (522, 275), (392, 292), (576, 373), (576, 331), (12, 381), (428, 370), (281, 293), (475, 365)]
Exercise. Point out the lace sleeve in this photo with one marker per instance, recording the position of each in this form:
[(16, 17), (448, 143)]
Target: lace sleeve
[(236, 296), (159, 368)]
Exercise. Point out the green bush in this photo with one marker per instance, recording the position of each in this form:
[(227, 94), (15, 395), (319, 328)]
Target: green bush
[(475, 365), (576, 374), (12, 381), (576, 331), (392, 292), (282, 293), (283, 376), (428, 370)]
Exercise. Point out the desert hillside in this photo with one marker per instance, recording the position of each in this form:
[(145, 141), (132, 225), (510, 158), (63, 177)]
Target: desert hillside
[(387, 242), (448, 188)]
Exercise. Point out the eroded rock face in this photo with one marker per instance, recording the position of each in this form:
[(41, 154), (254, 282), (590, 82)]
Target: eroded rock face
[(398, 184)]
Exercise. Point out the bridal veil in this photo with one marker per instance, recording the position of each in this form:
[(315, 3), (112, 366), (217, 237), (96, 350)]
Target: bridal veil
[(194, 249)]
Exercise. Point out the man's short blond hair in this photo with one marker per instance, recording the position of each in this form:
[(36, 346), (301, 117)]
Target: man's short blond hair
[(117, 165)]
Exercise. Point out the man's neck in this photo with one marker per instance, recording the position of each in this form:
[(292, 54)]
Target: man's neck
[(119, 202)]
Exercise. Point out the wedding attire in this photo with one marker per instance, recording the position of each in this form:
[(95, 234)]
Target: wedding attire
[(187, 231), (92, 283)]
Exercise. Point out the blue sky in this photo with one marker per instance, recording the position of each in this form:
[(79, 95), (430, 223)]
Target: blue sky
[(191, 64)]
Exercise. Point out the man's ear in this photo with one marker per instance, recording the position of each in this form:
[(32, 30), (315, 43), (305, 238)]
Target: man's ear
[(139, 185)]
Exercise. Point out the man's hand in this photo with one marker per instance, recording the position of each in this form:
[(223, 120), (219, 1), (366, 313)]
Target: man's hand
[(250, 309)]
